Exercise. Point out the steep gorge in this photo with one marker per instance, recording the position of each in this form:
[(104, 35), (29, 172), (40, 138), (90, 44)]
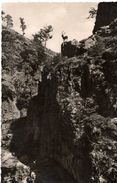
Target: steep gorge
[(70, 130)]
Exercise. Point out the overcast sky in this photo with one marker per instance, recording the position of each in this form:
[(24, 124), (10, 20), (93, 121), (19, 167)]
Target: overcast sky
[(68, 17)]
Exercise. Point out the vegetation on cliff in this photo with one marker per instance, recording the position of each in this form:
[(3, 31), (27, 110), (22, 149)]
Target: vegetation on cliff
[(60, 113)]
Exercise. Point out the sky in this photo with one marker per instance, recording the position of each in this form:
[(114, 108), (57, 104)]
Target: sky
[(68, 17)]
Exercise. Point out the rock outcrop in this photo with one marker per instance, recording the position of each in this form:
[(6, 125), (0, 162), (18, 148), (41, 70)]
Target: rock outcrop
[(71, 49), (106, 13), (22, 62), (70, 129), (73, 119)]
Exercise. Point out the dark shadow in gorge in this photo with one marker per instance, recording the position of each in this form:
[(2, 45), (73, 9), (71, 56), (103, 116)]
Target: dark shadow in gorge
[(54, 131), (18, 129), (49, 172), (25, 150)]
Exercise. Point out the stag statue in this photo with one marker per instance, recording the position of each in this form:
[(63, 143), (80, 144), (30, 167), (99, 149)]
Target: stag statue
[(64, 36)]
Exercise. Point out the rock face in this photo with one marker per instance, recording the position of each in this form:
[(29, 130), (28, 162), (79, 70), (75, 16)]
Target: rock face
[(71, 49), (21, 72), (106, 13), (73, 119), (69, 132)]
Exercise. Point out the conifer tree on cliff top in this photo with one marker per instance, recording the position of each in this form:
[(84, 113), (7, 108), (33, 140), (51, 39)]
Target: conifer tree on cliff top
[(23, 25), (92, 13), (2, 18), (9, 21), (2, 15), (44, 35)]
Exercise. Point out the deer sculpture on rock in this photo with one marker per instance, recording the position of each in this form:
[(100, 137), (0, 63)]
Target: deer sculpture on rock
[(64, 37)]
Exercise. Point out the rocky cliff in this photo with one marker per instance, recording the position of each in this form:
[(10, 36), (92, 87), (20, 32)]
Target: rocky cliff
[(106, 13), (22, 62), (73, 118), (70, 129)]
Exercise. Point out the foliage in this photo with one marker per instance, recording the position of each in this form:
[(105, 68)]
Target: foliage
[(9, 21), (21, 61), (43, 35), (98, 48), (2, 15), (23, 25), (92, 13), (103, 148), (57, 59)]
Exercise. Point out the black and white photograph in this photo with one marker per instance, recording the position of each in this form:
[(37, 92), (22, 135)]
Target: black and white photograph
[(59, 92)]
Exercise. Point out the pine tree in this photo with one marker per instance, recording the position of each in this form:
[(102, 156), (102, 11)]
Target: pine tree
[(43, 35), (92, 13), (9, 21), (23, 25), (3, 17)]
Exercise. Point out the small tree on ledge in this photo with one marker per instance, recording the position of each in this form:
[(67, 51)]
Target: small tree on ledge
[(43, 35), (92, 13), (9, 21), (3, 18), (23, 25)]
